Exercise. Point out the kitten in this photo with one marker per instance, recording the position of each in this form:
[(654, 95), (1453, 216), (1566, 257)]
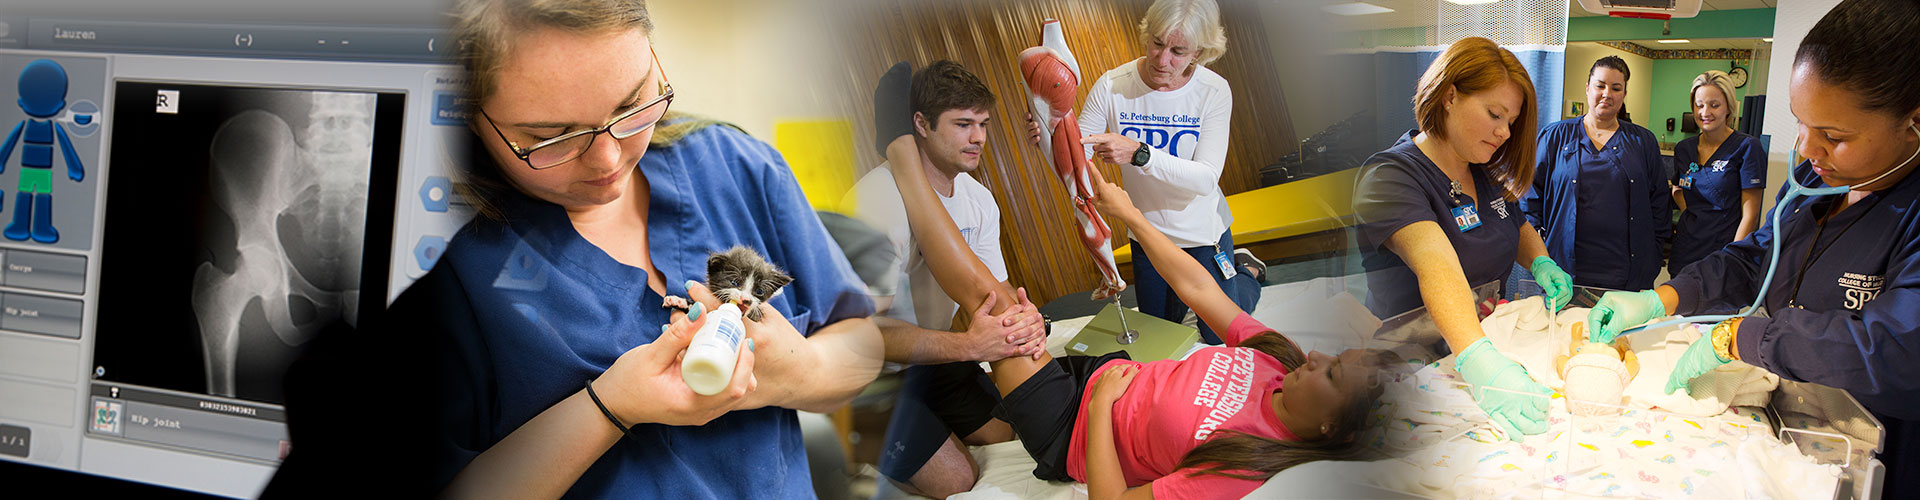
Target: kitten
[(742, 277)]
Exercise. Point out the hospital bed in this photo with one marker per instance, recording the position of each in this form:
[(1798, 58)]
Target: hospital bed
[(1824, 425), (1819, 424)]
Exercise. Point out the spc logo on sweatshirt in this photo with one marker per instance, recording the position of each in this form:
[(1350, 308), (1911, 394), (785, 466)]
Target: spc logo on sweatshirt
[(1172, 133)]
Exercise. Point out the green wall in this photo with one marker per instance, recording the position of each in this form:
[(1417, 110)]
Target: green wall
[(1672, 78), (1742, 23)]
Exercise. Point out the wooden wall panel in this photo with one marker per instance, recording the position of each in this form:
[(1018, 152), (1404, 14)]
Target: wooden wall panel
[(1037, 228)]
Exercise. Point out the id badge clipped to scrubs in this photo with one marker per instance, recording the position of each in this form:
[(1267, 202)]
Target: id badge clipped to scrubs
[(1465, 215), (1686, 179), (1224, 259)]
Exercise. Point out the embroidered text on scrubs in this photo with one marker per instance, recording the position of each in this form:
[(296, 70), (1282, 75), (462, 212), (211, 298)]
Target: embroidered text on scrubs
[(1860, 288)]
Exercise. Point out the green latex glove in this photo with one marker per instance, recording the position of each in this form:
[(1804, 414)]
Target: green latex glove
[(1483, 366), (1696, 361), (1558, 284), (1618, 311)]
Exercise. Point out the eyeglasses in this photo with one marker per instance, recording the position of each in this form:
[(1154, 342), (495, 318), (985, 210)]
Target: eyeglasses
[(553, 152)]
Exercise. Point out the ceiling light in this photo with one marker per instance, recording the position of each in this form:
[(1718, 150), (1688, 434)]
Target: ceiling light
[(1355, 9), (1670, 40), (1768, 39)]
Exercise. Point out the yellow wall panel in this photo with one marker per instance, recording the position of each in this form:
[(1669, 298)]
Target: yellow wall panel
[(821, 155)]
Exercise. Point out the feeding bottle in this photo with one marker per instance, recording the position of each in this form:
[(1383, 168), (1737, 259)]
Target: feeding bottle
[(714, 350)]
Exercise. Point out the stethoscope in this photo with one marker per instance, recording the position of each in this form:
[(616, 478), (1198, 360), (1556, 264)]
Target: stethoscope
[(1794, 190)]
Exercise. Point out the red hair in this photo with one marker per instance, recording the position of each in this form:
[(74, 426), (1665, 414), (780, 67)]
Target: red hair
[(1470, 66)]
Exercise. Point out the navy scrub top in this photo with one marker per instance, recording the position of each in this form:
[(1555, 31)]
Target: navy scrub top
[(1713, 200), (1401, 186), (527, 311), (1605, 214), (1852, 324)]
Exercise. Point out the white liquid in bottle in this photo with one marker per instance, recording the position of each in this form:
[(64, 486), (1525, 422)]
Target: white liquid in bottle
[(714, 350)]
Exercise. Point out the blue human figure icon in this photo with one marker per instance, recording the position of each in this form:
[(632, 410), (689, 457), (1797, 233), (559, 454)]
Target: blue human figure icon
[(43, 93)]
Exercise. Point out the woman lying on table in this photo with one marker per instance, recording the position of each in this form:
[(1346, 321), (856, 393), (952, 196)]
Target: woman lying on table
[(1214, 425)]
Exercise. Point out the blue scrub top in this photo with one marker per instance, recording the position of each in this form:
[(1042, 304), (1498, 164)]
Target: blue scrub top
[(1713, 201), (528, 311), (1605, 214), (1853, 324), (1401, 186)]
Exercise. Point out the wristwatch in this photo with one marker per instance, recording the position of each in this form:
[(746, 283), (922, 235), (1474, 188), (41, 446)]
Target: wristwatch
[(1141, 155), (1723, 338)]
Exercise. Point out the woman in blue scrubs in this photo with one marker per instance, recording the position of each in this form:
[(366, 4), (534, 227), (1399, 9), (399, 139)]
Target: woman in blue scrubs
[(1844, 304), (1717, 177), (1600, 196), (1437, 216), (559, 361)]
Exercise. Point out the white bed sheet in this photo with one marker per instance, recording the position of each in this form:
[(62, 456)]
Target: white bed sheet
[(1734, 455), (1450, 453)]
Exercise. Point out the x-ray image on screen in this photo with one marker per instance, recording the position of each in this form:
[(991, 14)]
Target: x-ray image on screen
[(240, 219)]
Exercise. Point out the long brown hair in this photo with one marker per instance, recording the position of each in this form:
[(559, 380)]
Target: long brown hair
[(1245, 456), (1473, 65)]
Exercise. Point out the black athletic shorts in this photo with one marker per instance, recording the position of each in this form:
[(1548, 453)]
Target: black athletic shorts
[(935, 401), (1043, 409)]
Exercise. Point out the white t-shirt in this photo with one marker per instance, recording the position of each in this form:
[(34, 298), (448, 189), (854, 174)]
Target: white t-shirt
[(919, 299), (1179, 188)]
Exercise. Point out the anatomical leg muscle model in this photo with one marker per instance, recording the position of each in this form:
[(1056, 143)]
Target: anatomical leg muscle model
[(1053, 79)]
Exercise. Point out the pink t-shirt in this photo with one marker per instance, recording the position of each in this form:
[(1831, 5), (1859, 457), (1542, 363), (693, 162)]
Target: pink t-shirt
[(1174, 405)]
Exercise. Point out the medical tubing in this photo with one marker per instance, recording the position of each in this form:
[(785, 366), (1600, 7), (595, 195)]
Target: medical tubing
[(1794, 190), (1773, 264), (1896, 166)]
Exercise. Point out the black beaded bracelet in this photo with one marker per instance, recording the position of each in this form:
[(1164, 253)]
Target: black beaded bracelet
[(609, 413)]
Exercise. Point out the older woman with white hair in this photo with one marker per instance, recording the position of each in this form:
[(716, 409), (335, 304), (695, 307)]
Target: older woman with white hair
[(1717, 178), (1163, 118)]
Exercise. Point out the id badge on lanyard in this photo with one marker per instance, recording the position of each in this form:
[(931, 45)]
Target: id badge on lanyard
[(1465, 215), (1224, 259), (1686, 179)]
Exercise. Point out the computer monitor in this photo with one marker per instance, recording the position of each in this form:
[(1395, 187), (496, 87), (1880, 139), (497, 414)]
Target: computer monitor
[(183, 207)]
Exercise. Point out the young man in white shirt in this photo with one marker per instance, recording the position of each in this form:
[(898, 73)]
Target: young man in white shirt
[(946, 399)]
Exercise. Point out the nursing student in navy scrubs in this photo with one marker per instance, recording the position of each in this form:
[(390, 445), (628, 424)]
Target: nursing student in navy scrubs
[(1600, 196), (1437, 216), (1843, 309), (1717, 177)]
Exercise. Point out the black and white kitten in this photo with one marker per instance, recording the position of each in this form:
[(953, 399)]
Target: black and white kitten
[(740, 276)]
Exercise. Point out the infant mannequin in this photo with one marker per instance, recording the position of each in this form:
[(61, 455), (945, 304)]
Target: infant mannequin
[(1596, 373)]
